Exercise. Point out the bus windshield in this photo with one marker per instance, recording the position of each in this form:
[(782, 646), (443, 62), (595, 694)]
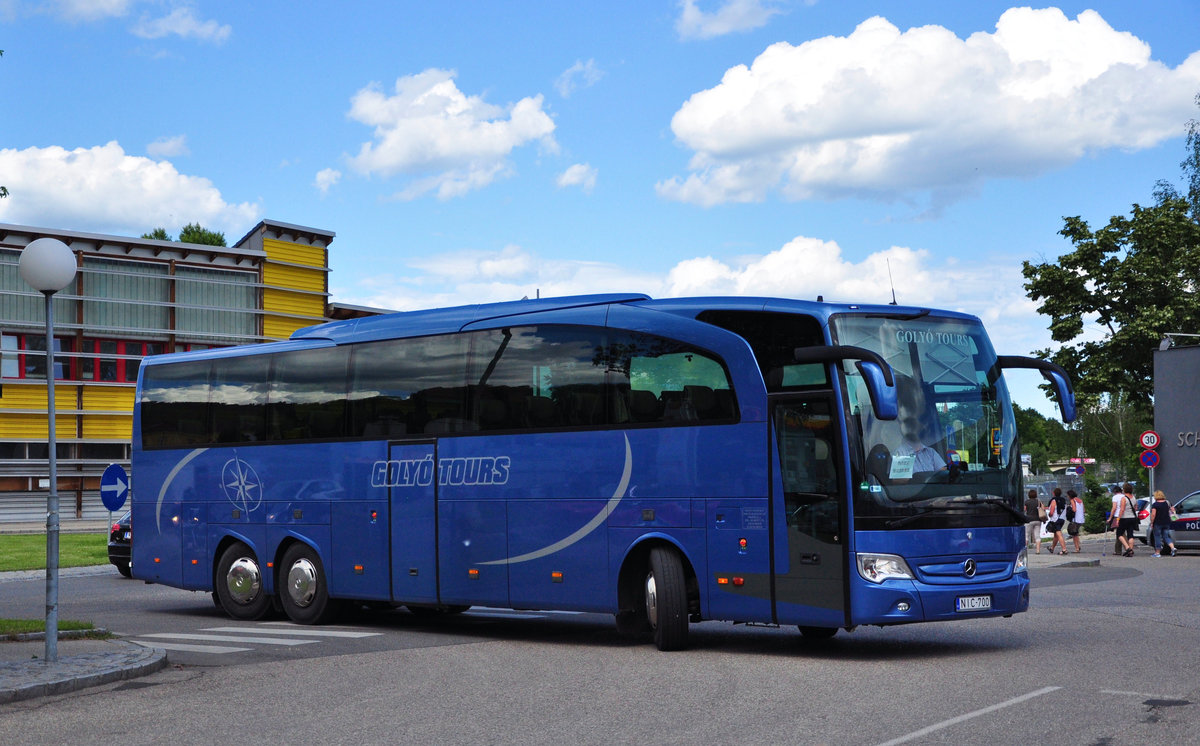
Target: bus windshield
[(950, 458)]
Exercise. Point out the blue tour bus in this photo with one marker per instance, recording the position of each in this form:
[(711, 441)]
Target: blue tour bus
[(667, 461)]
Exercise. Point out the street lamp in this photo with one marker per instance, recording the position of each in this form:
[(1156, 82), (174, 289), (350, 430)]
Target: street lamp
[(49, 266)]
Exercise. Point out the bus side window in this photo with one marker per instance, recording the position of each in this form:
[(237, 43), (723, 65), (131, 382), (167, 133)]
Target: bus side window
[(239, 399)]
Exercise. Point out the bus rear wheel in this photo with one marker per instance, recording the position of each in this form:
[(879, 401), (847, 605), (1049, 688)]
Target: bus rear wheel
[(239, 584), (666, 599), (305, 592)]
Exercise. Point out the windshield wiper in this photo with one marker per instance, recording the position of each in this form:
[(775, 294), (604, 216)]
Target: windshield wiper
[(1017, 515), (896, 523)]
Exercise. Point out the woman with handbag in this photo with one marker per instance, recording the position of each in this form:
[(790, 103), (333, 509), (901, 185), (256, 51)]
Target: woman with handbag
[(1160, 525), (1055, 520), (1034, 515), (1124, 517), (1074, 517)]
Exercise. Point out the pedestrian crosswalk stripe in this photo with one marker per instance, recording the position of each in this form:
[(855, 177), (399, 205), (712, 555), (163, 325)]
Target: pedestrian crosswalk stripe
[(307, 632), (185, 648), (230, 638)]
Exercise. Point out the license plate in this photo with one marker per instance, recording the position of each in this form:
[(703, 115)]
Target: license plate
[(973, 603), (127, 535)]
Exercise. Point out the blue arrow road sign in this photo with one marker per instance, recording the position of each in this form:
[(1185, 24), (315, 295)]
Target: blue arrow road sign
[(114, 487)]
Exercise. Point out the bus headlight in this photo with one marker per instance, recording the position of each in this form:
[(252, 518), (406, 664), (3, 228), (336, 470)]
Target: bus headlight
[(1022, 563), (880, 567)]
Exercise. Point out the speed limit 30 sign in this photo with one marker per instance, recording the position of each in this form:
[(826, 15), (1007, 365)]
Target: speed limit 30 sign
[(1149, 440)]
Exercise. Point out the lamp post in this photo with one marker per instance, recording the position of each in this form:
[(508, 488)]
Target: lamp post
[(49, 266)]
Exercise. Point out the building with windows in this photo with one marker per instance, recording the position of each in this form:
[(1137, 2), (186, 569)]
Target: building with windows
[(131, 297)]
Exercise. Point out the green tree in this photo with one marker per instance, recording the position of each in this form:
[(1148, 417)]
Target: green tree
[(158, 234), (190, 233), (194, 233)]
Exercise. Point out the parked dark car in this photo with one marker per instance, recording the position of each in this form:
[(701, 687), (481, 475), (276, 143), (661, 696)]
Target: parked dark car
[(119, 541)]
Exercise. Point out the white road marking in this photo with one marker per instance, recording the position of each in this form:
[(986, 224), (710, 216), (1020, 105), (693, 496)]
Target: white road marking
[(968, 716), (230, 638), (306, 631), (190, 648)]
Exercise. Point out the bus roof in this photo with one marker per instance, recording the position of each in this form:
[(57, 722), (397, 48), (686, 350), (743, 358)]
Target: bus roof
[(454, 319)]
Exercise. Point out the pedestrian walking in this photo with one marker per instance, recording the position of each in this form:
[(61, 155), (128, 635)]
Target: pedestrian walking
[(1160, 525), (1074, 517), (1033, 522), (1124, 518), (1056, 516)]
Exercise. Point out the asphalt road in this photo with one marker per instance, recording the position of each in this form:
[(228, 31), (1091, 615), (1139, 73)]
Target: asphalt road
[(1104, 656)]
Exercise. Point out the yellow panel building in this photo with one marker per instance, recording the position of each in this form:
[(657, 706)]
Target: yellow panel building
[(132, 297)]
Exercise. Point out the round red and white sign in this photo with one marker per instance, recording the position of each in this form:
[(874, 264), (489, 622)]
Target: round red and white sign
[(1149, 440)]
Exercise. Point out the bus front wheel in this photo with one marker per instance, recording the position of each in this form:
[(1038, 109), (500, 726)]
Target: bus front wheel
[(305, 592), (239, 584), (666, 599)]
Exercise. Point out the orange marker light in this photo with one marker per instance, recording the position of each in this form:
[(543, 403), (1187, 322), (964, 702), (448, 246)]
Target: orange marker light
[(722, 581), (270, 564), (556, 576), (195, 562), (156, 559), (473, 573), (742, 543)]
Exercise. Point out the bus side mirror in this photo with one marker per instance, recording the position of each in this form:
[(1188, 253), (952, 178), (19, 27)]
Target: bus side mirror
[(876, 373), (1057, 377), (883, 397)]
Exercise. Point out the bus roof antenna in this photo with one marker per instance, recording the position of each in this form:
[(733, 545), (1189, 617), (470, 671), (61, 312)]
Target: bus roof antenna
[(891, 282)]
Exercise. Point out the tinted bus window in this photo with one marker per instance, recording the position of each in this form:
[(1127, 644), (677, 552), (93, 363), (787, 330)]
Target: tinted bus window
[(239, 398), (174, 405), (307, 397), (537, 377), (408, 387), (662, 380), (774, 338)]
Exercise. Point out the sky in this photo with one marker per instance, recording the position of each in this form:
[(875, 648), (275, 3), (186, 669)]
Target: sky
[(468, 152)]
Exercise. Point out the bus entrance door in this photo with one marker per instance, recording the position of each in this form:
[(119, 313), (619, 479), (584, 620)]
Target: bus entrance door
[(807, 515), (412, 480)]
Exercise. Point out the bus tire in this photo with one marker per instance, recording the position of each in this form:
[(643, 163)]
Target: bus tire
[(666, 599), (817, 633), (239, 584), (304, 590)]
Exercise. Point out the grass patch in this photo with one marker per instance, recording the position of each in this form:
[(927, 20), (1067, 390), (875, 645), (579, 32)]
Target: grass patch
[(28, 551), (24, 626)]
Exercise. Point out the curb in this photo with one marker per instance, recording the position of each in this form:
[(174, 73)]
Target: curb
[(32, 679), (69, 634)]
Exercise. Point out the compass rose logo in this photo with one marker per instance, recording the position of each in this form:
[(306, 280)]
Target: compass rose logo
[(242, 486)]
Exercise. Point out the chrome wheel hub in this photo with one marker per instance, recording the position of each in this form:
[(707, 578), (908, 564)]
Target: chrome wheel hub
[(244, 580), (651, 601), (302, 582)]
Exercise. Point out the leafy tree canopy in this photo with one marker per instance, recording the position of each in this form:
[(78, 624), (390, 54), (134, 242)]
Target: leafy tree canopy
[(190, 233), (1136, 278), (193, 233)]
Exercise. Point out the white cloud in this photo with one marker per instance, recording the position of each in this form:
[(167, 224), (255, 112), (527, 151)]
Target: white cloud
[(444, 141), (92, 10), (581, 74), (182, 22), (104, 189), (887, 114), (732, 16), (167, 147), (326, 178), (581, 175)]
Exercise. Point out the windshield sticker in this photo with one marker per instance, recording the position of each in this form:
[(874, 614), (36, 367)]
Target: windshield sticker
[(925, 336), (902, 466)]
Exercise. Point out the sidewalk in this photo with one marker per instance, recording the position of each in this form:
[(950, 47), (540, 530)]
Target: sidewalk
[(65, 526), (81, 663), (24, 674)]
